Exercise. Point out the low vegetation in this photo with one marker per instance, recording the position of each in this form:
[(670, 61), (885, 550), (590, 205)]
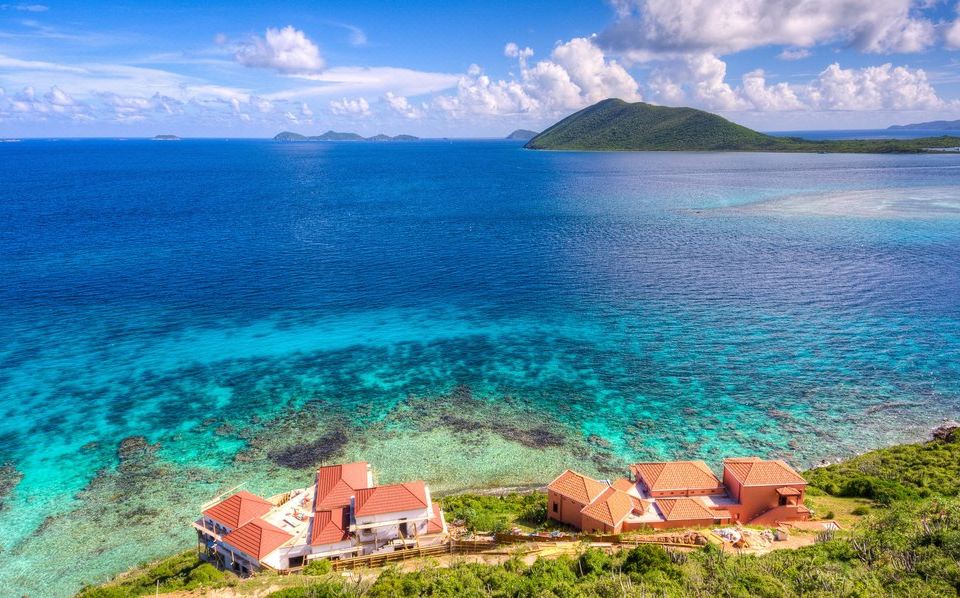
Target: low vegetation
[(615, 125), (183, 571), (903, 472), (497, 513), (909, 549)]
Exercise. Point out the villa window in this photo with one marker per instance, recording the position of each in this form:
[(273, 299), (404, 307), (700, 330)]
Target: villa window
[(556, 508)]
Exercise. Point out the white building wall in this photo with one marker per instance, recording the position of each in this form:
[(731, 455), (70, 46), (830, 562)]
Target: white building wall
[(390, 528)]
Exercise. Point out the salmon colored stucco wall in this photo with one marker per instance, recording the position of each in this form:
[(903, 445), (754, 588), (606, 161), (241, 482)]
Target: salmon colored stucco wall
[(755, 500), (568, 510), (592, 525)]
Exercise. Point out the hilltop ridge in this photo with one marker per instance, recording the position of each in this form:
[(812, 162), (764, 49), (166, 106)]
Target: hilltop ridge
[(931, 125), (616, 125), (522, 135)]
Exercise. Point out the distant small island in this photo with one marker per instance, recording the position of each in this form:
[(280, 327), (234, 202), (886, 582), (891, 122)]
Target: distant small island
[(522, 135), (615, 125), (166, 138), (289, 136), (933, 125)]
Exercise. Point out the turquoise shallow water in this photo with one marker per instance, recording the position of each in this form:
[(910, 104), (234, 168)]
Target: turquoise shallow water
[(468, 312)]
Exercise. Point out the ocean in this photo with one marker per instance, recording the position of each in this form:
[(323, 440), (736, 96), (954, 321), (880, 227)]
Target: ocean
[(180, 318)]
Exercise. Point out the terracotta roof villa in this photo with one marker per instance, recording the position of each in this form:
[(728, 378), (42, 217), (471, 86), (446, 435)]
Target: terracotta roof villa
[(673, 494), (342, 514), (238, 510), (587, 504), (676, 478)]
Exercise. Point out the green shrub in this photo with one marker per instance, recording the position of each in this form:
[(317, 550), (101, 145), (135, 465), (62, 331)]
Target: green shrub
[(182, 571), (334, 589), (318, 567), (205, 574), (482, 513), (593, 560), (646, 557), (860, 511)]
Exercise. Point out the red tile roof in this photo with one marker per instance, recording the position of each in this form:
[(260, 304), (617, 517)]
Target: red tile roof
[(330, 527), (640, 506), (435, 524), (257, 538), (685, 508), (409, 496), (613, 506), (336, 484), (623, 484), (676, 475), (238, 509), (577, 487), (753, 471), (788, 491)]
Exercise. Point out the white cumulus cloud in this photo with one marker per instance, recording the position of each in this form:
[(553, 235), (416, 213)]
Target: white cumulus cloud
[(645, 29), (883, 87), (348, 107), (951, 35), (286, 50), (700, 80), (576, 74), (402, 106)]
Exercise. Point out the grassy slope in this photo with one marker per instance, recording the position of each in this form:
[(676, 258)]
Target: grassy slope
[(903, 472), (908, 545), (182, 571), (617, 125)]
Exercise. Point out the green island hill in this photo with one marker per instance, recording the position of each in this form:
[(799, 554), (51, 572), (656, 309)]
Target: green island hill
[(522, 135), (898, 506), (615, 125), (932, 125)]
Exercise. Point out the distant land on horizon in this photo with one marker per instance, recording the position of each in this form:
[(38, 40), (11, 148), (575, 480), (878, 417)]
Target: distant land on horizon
[(166, 138), (522, 135), (337, 136), (616, 125), (931, 125)]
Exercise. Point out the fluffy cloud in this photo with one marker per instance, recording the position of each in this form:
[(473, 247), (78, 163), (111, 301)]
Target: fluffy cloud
[(760, 96), (402, 106), (576, 74), (286, 50), (55, 103), (700, 80), (951, 36), (882, 87), (645, 29), (347, 107)]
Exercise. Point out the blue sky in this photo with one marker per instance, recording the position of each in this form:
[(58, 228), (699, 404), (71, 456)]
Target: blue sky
[(467, 68)]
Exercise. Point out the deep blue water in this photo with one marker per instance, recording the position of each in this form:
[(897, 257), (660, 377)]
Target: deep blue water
[(216, 296)]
